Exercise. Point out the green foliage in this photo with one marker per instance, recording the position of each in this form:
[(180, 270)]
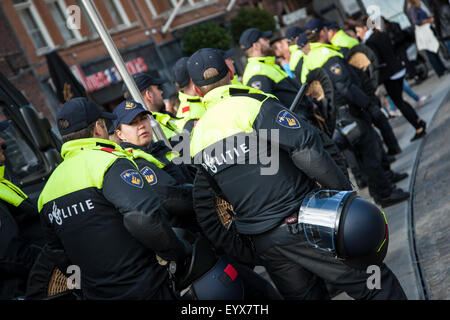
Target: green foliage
[(206, 35), (251, 18)]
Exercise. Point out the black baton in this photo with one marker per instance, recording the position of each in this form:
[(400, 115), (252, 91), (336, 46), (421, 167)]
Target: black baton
[(298, 97)]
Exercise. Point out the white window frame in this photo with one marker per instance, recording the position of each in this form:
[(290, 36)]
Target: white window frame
[(188, 5), (40, 24), (122, 13), (62, 5)]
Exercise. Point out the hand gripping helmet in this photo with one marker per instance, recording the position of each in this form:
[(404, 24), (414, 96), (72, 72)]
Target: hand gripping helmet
[(347, 225), (210, 277)]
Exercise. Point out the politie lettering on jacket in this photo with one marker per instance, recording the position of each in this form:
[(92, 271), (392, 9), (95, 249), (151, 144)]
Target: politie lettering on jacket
[(58, 215), (242, 149)]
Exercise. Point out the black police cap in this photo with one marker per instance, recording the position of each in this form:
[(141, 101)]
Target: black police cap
[(202, 60), (302, 40), (126, 111), (293, 32), (250, 36), (79, 113), (143, 81), (314, 25), (180, 72)]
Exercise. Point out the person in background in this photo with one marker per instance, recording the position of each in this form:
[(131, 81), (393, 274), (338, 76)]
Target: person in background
[(392, 74), (282, 53), (441, 11), (419, 17)]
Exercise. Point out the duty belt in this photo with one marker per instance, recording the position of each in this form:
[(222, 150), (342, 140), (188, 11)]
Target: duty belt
[(263, 241)]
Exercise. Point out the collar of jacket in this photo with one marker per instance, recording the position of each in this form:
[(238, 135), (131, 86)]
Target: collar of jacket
[(217, 94), (319, 45), (183, 97), (266, 60), (292, 48), (141, 152), (74, 147), (17, 196)]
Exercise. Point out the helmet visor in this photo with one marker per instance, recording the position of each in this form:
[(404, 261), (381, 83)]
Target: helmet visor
[(319, 215)]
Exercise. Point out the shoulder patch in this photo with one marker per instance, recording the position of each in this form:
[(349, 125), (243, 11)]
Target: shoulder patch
[(149, 175), (288, 120), (256, 84), (133, 178), (336, 69)]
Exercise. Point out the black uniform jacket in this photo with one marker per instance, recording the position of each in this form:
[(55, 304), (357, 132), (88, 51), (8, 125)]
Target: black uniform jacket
[(262, 201)]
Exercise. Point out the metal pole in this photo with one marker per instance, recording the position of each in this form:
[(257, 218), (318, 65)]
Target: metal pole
[(99, 25)]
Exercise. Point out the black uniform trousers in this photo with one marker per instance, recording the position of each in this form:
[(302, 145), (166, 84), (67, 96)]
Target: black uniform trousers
[(369, 154), (295, 267), (394, 89)]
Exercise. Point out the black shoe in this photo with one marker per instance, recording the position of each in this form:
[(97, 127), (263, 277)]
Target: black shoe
[(395, 151), (398, 177), (396, 196), (423, 124), (390, 159), (361, 183)]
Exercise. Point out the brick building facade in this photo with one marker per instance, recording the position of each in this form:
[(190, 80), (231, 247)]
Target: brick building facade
[(31, 28)]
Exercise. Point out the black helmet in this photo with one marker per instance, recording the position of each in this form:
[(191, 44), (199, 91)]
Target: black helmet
[(209, 277), (343, 223)]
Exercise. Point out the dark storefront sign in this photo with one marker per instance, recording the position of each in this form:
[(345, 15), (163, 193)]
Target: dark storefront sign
[(102, 80)]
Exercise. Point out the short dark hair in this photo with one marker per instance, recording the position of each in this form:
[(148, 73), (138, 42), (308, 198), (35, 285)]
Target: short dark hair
[(84, 133)]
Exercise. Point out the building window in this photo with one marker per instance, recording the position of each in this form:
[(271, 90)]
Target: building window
[(117, 13), (160, 7), (34, 25), (58, 10)]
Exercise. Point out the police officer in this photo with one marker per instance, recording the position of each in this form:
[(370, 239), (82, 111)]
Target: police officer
[(99, 210), (21, 237), (152, 94), (228, 55), (264, 74), (296, 61), (175, 194), (338, 38), (172, 183), (191, 107), (349, 96), (262, 201)]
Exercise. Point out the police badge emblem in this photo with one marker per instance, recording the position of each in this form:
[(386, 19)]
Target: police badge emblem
[(336, 69), (133, 178), (130, 105), (149, 175), (288, 120), (256, 85)]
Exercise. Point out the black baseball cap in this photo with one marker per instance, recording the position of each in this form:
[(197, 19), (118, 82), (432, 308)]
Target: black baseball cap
[(180, 72), (79, 114), (143, 81), (126, 111), (302, 40), (293, 32), (332, 25), (314, 25), (250, 36), (226, 53), (202, 60)]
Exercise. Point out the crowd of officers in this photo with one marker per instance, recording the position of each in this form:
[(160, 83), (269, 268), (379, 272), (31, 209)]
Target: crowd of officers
[(111, 206)]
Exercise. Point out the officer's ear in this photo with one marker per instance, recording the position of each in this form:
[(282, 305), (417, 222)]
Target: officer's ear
[(100, 129), (230, 73), (197, 91)]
